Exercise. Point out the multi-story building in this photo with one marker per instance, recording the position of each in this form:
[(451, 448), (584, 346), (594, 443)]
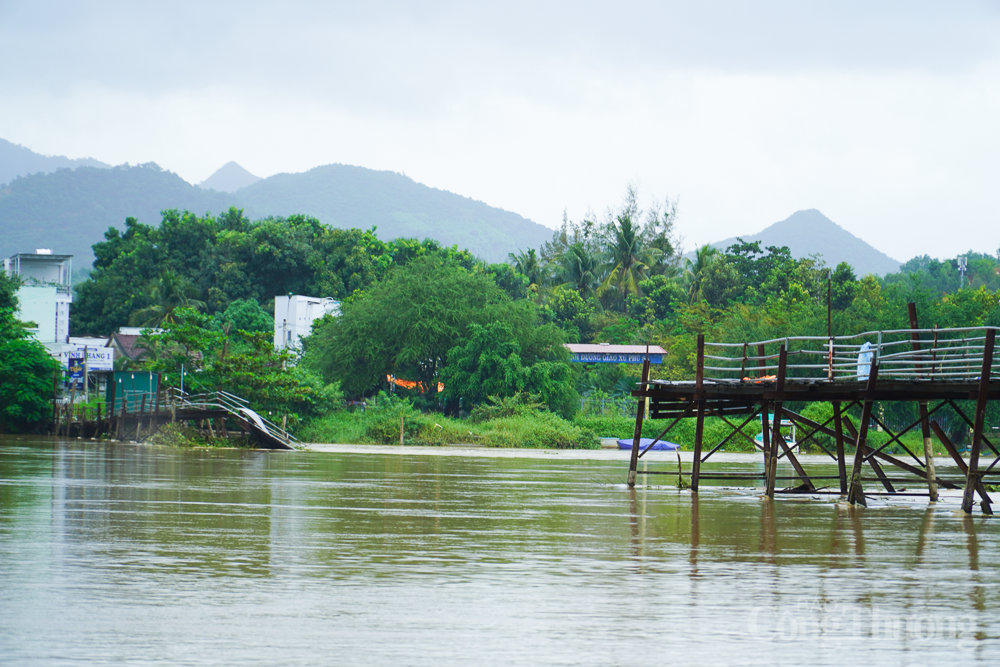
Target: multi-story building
[(46, 292)]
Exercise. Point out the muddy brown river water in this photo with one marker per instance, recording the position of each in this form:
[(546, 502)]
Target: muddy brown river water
[(128, 554)]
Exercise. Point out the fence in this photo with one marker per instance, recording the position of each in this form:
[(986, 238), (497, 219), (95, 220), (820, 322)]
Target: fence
[(901, 354)]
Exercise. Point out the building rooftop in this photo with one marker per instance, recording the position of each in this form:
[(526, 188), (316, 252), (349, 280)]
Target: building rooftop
[(607, 348)]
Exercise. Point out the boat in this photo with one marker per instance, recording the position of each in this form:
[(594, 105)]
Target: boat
[(660, 446)]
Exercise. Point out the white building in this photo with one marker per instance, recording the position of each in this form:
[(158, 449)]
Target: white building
[(294, 315), (45, 294)]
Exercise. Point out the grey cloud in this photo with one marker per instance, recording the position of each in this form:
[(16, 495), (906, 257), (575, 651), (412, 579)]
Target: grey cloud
[(414, 56)]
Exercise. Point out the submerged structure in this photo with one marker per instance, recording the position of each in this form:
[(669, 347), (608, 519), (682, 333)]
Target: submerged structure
[(741, 382)]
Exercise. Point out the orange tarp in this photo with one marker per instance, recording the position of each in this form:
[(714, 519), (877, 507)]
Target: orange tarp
[(766, 378), (410, 384)]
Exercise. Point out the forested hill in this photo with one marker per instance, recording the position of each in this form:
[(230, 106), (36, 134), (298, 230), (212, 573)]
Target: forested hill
[(69, 211), (812, 233), (17, 161), (344, 196)]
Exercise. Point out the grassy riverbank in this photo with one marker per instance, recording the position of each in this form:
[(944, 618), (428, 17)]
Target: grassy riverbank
[(507, 424)]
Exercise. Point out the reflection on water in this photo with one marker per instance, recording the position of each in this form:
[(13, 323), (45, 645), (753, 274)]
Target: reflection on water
[(131, 553)]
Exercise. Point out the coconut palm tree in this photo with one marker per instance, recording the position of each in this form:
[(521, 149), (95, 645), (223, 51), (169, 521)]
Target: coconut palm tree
[(167, 293), (694, 272), (527, 264), (629, 259), (581, 269)]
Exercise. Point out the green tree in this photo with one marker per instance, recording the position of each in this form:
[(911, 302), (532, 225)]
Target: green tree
[(529, 266), (694, 272), (167, 293), (8, 292), (403, 325), (246, 315), (843, 285), (628, 259), (720, 283), (237, 361), (491, 363), (581, 269), (487, 364), (26, 373)]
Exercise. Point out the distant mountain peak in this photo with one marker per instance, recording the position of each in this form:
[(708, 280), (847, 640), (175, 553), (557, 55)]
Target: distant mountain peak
[(230, 177), (809, 232)]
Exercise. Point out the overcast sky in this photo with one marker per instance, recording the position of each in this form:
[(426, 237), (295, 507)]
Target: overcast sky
[(884, 116)]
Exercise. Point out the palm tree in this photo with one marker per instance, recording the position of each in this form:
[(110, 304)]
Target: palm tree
[(168, 293), (628, 259), (694, 272), (527, 264), (580, 269)]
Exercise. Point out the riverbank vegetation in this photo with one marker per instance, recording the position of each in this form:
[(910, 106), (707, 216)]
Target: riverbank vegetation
[(27, 371), (436, 336)]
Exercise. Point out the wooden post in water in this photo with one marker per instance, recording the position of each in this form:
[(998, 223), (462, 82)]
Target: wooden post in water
[(925, 428), (55, 401), (765, 438), (69, 414), (640, 412), (699, 429), (765, 445), (974, 477), (776, 437), (838, 425), (138, 420), (121, 420), (856, 494), (156, 409)]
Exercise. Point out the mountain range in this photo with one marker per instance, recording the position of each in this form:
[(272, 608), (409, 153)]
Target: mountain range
[(69, 209), (810, 232), (16, 160), (67, 205)]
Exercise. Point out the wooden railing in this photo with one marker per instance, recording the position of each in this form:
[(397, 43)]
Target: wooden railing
[(901, 354)]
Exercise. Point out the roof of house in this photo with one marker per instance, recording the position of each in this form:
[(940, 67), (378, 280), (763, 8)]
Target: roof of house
[(126, 344), (607, 348)]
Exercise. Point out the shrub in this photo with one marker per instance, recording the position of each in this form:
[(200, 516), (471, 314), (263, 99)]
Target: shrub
[(540, 430)]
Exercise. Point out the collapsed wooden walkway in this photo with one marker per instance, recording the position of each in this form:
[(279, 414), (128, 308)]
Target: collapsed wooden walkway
[(743, 382), (139, 416)]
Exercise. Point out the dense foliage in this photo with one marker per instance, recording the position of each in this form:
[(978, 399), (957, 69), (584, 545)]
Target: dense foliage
[(214, 354), (420, 313), (218, 260), (26, 376), (436, 320)]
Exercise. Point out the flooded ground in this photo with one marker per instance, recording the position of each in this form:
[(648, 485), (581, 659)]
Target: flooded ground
[(406, 556)]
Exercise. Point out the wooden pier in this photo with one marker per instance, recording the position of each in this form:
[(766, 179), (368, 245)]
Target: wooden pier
[(743, 382)]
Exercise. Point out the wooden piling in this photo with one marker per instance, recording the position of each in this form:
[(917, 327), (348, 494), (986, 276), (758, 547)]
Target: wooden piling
[(776, 437), (69, 413), (699, 430), (55, 401), (637, 433), (138, 419), (856, 494), (838, 427), (121, 420), (973, 477), (922, 406)]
